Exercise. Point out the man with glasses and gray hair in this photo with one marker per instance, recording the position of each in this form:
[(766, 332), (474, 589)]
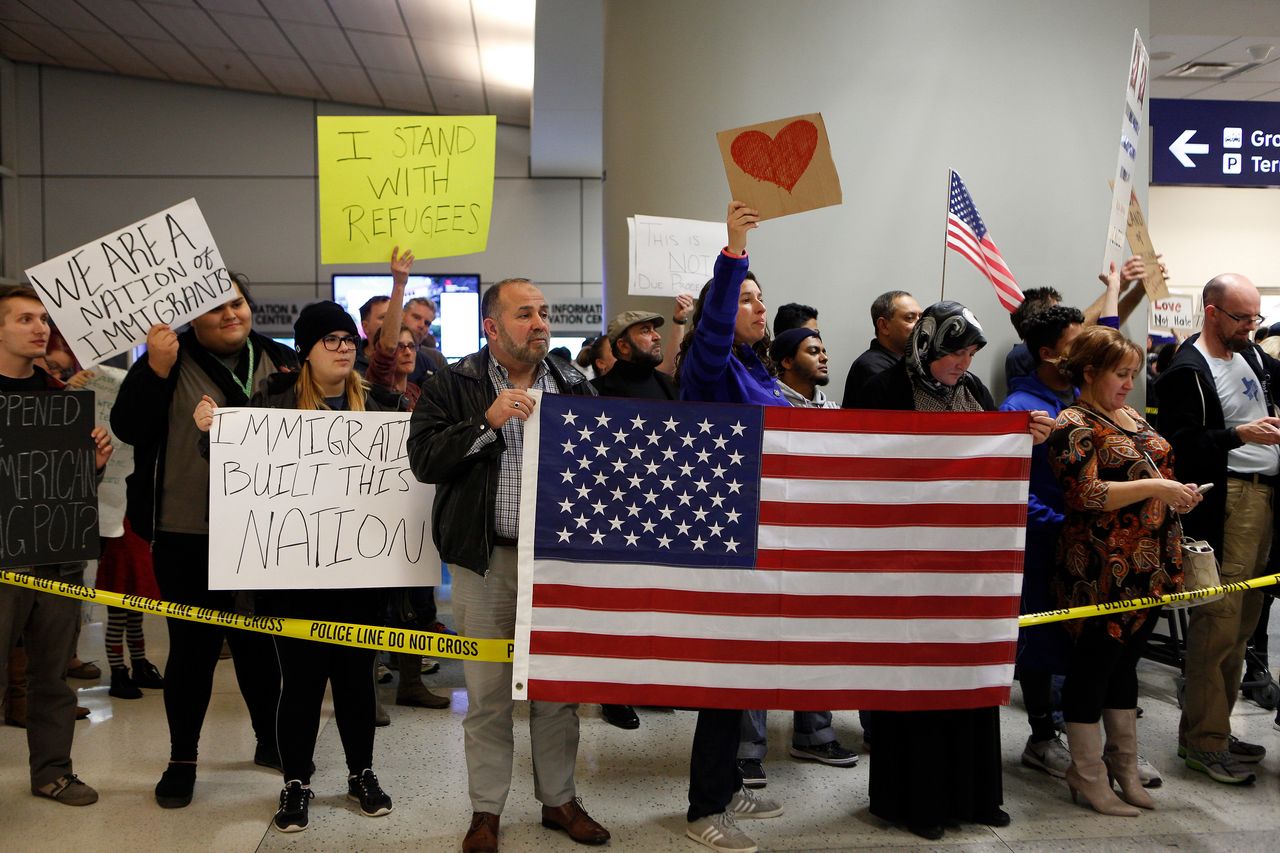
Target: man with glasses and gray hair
[(1217, 409)]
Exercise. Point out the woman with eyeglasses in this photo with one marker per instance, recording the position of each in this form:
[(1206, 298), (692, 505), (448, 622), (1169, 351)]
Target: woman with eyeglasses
[(326, 339)]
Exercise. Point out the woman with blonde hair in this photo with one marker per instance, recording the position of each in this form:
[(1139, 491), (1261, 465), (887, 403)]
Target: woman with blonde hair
[(1120, 541)]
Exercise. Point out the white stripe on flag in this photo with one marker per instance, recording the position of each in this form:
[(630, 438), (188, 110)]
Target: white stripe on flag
[(648, 623), (893, 491), (893, 538), (767, 581), (788, 676), (894, 446)]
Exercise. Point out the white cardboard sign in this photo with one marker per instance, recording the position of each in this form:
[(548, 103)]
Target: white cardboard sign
[(105, 295), (1135, 98), (672, 256), (1173, 313), (105, 383), (316, 500)]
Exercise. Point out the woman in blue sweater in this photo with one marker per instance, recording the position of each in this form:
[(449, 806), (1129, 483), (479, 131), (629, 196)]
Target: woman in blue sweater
[(724, 358)]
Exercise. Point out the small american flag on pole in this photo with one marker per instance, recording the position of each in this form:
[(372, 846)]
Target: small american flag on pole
[(710, 555), (968, 235)]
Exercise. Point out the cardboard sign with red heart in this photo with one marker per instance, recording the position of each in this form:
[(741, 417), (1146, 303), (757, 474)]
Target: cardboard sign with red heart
[(781, 167)]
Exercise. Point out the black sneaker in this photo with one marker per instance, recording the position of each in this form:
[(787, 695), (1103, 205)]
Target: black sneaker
[(146, 675), (122, 686), (752, 773), (366, 791), (1245, 752), (176, 786), (832, 754), (292, 814)]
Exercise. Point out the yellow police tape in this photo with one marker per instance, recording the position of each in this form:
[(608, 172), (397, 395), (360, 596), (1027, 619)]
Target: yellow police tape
[(337, 633), (471, 648)]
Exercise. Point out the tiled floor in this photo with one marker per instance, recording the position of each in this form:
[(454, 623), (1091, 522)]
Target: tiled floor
[(633, 782)]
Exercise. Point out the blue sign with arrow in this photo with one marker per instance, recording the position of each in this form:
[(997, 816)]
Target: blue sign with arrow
[(1217, 143)]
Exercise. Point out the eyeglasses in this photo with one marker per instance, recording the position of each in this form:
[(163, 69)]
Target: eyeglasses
[(337, 343), (404, 345), (1255, 319)]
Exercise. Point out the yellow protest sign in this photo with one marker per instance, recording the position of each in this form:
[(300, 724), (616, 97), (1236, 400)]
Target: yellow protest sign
[(422, 182)]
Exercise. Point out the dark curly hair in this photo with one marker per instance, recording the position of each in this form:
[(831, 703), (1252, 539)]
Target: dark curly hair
[(760, 347)]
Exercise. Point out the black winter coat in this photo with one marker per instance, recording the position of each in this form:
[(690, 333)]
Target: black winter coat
[(1191, 419), (447, 421)]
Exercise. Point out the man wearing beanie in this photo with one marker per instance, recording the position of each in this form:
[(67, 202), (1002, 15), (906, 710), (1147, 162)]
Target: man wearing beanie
[(168, 503), (801, 358), (637, 348)]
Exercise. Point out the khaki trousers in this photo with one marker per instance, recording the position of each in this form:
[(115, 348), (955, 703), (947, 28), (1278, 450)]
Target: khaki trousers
[(485, 607), (1218, 631)]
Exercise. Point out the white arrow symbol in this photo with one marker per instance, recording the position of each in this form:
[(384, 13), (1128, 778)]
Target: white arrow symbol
[(1182, 146)]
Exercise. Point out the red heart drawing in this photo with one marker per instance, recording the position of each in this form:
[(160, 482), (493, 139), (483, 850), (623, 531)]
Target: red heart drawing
[(781, 160)]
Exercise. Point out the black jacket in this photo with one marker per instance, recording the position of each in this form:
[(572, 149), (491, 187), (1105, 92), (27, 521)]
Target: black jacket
[(643, 381), (876, 360), (1191, 419), (140, 417), (447, 421), (891, 389)]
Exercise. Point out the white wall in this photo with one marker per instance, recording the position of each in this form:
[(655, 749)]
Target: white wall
[(96, 152), (1023, 99)]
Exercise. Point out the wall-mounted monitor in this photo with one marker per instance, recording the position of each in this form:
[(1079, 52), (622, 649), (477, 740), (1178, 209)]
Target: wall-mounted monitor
[(456, 295)]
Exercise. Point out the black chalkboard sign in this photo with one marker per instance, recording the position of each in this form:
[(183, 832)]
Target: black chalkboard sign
[(48, 481)]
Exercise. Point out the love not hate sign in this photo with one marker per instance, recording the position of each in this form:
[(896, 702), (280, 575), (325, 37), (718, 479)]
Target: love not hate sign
[(105, 295), (418, 182), (781, 167)]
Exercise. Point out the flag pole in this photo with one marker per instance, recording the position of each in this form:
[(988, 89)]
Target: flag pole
[(942, 290)]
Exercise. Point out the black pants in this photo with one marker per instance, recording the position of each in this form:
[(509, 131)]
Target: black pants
[(182, 571), (1103, 671), (306, 667), (1037, 696), (713, 765)]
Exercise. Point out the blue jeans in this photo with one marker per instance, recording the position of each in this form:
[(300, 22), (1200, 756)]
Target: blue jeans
[(809, 728)]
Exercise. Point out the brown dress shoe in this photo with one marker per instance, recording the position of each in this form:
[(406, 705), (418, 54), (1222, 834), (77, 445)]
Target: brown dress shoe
[(573, 819), (482, 837)]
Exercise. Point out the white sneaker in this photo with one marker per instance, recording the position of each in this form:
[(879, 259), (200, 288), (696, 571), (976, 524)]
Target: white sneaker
[(1148, 773), (720, 832), (747, 803), (1051, 756)]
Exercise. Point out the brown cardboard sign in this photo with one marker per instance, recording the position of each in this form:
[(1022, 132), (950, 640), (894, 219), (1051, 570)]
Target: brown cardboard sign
[(1140, 244), (781, 167)]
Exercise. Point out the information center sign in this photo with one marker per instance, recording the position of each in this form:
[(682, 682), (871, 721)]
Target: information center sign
[(1217, 143)]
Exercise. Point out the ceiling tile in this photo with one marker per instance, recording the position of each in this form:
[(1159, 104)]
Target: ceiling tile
[(193, 27), (1178, 88), (231, 67), (1273, 95), (175, 60), (449, 59), (1237, 50), (117, 53), (440, 20), (457, 97), (1233, 91), (304, 11), (1183, 48), (320, 44), (19, 49), (389, 53), (290, 76), (57, 44), (255, 35), (505, 101), (239, 7), (403, 91), (64, 14), (1269, 73), (345, 83), (11, 10), (127, 18), (375, 16)]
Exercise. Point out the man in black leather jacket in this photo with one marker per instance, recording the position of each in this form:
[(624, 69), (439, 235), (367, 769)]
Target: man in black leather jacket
[(467, 437)]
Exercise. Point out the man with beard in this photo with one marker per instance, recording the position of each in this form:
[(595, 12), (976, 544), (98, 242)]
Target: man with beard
[(1216, 409), (467, 437), (637, 349), (801, 359)]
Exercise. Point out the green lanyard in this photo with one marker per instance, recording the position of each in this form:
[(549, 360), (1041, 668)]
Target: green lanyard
[(247, 385)]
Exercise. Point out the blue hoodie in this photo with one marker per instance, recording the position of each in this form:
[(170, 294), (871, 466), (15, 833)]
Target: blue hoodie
[(1044, 503)]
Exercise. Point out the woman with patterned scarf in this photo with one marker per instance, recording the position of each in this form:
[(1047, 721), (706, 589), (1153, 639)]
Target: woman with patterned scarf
[(934, 769)]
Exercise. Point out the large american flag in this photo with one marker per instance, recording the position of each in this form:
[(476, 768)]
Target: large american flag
[(710, 555), (968, 235)]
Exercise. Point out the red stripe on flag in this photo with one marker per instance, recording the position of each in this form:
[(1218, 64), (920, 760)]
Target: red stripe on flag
[(796, 514), (868, 468), (670, 696), (770, 652), (946, 562), (709, 603), (863, 421)]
